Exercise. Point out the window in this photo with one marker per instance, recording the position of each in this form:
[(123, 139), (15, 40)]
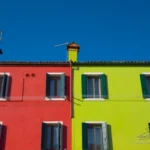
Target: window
[(145, 83), (55, 86), (94, 86), (51, 136), (4, 79), (94, 136)]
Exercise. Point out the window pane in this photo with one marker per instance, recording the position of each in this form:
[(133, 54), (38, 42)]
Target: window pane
[(58, 87), (55, 138), (148, 85), (97, 87), (98, 138), (90, 138), (90, 90), (52, 88), (48, 137)]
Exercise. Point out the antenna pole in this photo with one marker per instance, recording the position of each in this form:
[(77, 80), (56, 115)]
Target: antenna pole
[(61, 44)]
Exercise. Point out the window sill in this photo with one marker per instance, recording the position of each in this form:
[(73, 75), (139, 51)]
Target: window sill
[(54, 99), (94, 99), (147, 99), (3, 99)]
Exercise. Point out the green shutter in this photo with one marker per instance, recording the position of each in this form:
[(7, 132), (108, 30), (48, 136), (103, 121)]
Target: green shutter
[(149, 126), (104, 90), (43, 136), (144, 86), (59, 136), (105, 136), (47, 85), (4, 86), (84, 86), (84, 137), (62, 85)]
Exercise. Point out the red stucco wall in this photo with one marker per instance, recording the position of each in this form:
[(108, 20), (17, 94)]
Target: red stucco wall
[(23, 113)]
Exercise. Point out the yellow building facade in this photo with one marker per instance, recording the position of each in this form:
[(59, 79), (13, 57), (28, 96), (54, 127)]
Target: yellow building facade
[(111, 104), (125, 110)]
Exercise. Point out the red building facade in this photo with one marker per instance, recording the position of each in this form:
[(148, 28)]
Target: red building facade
[(35, 106)]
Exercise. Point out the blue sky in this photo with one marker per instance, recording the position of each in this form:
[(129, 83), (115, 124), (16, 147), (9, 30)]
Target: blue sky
[(104, 29)]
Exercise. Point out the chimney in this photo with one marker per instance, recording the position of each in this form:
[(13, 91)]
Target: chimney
[(73, 50)]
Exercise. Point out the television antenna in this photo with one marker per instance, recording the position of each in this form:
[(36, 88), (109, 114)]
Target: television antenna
[(66, 43), (61, 44)]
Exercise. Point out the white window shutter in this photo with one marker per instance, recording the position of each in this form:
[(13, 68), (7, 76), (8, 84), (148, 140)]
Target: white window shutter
[(105, 136)]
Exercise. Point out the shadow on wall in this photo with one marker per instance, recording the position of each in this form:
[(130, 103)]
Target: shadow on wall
[(110, 143), (67, 88), (65, 137), (107, 97), (3, 137), (9, 87)]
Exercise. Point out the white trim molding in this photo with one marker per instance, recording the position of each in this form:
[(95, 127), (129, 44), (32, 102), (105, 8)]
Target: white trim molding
[(2, 73), (93, 73), (95, 122), (147, 99), (94, 99), (53, 122), (55, 73), (146, 73), (55, 99), (3, 99)]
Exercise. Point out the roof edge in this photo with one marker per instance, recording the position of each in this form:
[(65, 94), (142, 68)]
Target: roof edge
[(112, 63), (57, 63)]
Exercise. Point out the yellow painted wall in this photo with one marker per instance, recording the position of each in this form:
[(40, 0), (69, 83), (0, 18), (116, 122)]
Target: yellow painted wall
[(72, 54), (125, 111)]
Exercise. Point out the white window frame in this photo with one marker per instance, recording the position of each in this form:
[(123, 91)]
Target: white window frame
[(55, 99), (56, 122), (93, 74), (146, 74), (95, 122), (7, 85)]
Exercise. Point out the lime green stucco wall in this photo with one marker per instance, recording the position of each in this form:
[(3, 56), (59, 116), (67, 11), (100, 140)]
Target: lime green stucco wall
[(72, 54), (125, 111)]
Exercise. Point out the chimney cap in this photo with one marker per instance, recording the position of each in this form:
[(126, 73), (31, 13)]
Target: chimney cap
[(73, 45)]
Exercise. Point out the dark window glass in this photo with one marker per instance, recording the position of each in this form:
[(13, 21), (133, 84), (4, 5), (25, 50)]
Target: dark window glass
[(51, 137), (95, 138), (93, 87), (54, 87)]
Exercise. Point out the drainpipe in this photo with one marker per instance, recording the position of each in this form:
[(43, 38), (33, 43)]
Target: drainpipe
[(71, 102)]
